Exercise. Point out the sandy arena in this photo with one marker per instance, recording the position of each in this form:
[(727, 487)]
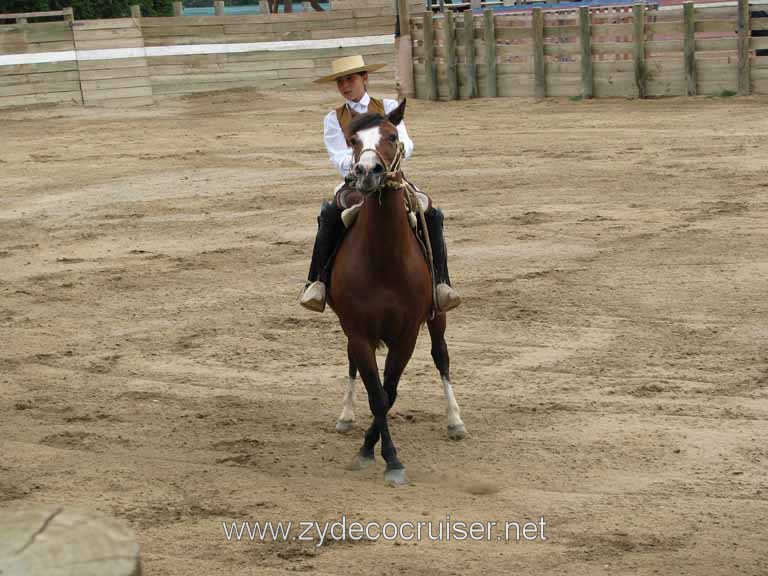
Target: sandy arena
[(610, 358)]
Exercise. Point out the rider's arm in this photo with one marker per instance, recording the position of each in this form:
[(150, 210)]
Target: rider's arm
[(402, 133), (338, 151)]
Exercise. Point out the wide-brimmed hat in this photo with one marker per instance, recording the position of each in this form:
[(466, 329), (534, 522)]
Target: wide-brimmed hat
[(349, 65)]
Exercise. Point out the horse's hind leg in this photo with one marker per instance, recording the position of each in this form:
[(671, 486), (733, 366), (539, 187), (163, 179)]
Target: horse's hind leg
[(456, 428), (347, 416)]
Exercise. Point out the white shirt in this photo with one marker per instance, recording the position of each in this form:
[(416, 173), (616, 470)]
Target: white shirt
[(338, 151)]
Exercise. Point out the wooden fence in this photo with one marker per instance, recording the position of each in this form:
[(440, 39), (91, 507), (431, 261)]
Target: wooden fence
[(134, 61), (631, 51), (174, 74), (57, 80)]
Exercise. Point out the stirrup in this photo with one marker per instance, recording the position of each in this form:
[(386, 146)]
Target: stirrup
[(447, 298), (314, 297)]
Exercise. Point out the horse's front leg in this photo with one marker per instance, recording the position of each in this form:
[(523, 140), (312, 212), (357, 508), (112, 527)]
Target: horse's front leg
[(363, 355), (347, 416), (397, 358), (456, 428)]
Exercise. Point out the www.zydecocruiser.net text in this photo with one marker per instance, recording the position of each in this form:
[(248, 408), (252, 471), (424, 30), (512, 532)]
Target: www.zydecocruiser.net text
[(446, 530)]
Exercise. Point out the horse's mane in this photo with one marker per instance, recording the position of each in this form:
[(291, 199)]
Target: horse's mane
[(367, 120)]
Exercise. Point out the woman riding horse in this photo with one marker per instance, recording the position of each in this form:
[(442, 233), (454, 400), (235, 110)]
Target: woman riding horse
[(381, 286), (351, 77)]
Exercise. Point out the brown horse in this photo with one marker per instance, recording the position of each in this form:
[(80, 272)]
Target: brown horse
[(381, 288)]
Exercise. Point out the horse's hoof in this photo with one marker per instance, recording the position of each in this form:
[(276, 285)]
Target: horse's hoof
[(361, 462), (344, 426), (395, 477), (457, 432)]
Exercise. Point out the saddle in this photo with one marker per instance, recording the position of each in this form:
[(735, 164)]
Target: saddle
[(349, 200)]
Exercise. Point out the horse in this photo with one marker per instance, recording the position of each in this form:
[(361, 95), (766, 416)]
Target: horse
[(381, 290)]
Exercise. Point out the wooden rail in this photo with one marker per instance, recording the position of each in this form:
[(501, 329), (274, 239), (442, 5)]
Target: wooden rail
[(66, 13)]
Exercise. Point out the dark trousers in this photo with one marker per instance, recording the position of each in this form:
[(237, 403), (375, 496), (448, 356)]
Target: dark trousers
[(330, 230)]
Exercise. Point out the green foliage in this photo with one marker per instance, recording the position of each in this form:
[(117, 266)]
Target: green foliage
[(90, 9), (578, 98), (723, 94), (14, 6)]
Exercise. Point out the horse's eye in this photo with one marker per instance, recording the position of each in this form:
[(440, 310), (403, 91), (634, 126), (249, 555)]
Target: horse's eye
[(393, 137)]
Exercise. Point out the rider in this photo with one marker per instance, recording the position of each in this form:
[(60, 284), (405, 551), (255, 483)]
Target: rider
[(351, 77)]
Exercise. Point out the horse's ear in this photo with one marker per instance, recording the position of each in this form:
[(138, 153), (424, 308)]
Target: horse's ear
[(396, 116)]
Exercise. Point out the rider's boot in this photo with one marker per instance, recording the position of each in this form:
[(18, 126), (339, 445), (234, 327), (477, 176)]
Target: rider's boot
[(447, 297), (329, 231)]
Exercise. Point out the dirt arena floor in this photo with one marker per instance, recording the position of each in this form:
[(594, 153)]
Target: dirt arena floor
[(610, 358)]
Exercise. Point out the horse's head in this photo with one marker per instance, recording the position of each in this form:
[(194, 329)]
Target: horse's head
[(376, 146)]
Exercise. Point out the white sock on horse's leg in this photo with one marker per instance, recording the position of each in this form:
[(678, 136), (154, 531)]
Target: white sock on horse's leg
[(348, 410), (455, 422)]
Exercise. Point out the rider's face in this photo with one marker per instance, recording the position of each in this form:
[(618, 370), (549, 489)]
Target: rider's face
[(352, 87)]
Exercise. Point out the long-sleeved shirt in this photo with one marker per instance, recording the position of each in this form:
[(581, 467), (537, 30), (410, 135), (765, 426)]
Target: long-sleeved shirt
[(338, 151)]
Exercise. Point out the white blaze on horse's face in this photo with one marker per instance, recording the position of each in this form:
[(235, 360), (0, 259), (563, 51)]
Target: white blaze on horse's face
[(369, 139)]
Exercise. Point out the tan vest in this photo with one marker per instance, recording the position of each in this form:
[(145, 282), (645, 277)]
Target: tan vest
[(344, 114)]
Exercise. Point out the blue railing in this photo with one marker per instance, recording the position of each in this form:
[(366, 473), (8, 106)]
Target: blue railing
[(499, 7), (569, 5), (238, 10)]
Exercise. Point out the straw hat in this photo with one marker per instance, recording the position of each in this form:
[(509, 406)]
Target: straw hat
[(349, 65)]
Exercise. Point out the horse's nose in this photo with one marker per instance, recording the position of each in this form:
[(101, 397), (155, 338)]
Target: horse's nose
[(360, 170), (368, 178)]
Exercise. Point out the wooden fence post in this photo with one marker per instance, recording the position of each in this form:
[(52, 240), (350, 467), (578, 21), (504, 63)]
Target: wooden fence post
[(69, 14), (638, 11), (404, 51), (449, 41), (135, 11), (429, 56), (469, 45), (585, 28), (263, 7), (178, 9), (539, 70), (689, 48), (743, 48), (218, 7), (490, 52)]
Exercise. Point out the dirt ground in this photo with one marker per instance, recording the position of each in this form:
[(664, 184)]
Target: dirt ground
[(610, 357)]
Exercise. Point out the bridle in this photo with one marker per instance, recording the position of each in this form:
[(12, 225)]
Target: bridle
[(391, 179)]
